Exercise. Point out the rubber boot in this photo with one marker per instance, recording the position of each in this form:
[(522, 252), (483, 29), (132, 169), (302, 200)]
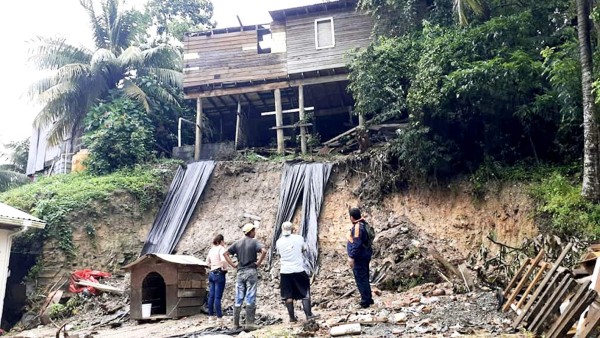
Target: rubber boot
[(237, 310), (290, 309), (250, 318), (307, 309)]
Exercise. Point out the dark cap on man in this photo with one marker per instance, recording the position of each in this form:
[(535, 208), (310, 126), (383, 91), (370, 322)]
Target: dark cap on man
[(355, 213)]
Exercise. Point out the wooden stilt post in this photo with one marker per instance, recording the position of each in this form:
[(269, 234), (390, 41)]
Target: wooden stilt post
[(361, 119), (198, 145), (238, 123), (302, 117), (279, 122)]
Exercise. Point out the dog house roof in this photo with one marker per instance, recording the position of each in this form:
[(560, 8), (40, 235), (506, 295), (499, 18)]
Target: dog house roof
[(176, 259)]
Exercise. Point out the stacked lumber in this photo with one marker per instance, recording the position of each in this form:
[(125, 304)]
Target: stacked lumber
[(551, 300)]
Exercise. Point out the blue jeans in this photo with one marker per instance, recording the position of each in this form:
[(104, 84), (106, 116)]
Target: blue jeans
[(216, 283), (361, 275), (245, 287)]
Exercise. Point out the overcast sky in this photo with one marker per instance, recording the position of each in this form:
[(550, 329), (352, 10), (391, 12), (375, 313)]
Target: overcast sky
[(22, 20)]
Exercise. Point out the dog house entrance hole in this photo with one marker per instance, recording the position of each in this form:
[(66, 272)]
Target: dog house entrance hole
[(155, 292)]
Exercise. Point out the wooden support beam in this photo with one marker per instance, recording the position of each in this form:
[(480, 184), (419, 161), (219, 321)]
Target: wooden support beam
[(268, 86), (290, 126), (293, 110), (198, 145), (238, 122), (279, 122), (302, 119)]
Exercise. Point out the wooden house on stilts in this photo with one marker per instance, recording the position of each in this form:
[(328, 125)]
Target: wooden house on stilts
[(282, 83)]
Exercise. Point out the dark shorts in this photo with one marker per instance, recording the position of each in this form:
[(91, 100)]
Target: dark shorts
[(294, 285)]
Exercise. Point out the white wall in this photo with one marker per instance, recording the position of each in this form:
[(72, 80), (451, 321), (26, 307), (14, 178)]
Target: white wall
[(5, 244)]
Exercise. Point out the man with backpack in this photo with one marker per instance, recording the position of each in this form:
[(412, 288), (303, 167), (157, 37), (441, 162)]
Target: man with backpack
[(360, 250)]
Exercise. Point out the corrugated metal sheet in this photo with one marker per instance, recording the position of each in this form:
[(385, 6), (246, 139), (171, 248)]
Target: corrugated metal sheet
[(175, 213), (176, 259), (40, 152), (12, 216)]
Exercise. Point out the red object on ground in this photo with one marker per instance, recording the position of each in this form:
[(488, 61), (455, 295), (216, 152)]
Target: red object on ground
[(85, 275)]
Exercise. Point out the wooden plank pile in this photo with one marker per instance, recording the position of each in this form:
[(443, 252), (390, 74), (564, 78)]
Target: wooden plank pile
[(554, 301)]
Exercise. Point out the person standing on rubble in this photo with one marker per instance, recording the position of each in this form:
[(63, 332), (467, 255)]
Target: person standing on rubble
[(246, 250), (359, 256), (216, 280), (294, 281)]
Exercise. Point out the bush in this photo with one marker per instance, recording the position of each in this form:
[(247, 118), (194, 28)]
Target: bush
[(53, 198), (118, 134), (563, 211)]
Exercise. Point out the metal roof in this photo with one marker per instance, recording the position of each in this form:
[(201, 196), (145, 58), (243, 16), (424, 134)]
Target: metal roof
[(17, 218), (175, 259), (281, 14)]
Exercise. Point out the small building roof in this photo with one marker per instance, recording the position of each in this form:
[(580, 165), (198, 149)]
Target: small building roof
[(12, 217), (281, 14), (175, 259)]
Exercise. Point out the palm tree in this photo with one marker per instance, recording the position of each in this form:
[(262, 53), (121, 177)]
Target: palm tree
[(80, 77), (479, 7), (591, 158)]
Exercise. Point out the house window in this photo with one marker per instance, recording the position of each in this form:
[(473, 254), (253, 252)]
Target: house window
[(264, 39), (324, 35)]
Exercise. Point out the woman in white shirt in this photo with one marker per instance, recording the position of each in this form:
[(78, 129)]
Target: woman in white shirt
[(216, 279)]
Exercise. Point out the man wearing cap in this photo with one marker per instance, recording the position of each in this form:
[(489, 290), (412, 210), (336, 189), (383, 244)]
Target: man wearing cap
[(359, 256), (294, 281), (246, 250)]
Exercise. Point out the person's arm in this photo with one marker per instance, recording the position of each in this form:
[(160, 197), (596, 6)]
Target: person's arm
[(208, 258), (263, 253), (354, 243), (227, 257)]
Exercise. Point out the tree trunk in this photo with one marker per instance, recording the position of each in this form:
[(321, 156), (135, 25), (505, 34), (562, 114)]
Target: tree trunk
[(591, 170)]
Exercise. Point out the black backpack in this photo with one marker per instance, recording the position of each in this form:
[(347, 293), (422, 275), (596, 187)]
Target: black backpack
[(370, 235)]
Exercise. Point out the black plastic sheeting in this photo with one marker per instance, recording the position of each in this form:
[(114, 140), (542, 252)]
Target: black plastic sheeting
[(177, 209), (310, 179)]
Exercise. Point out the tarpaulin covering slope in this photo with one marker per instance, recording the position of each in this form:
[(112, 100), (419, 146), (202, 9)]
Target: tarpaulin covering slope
[(310, 179), (177, 209)]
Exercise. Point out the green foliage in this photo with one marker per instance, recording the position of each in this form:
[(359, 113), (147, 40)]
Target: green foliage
[(16, 155), (175, 17), (480, 93), (563, 211), (61, 311), (54, 199), (119, 134), (81, 77)]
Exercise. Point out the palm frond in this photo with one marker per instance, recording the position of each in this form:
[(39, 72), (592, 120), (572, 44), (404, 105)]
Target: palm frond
[(163, 56), (132, 90), (53, 53), (73, 72), (171, 78), (40, 86), (11, 179), (478, 7), (131, 58), (163, 95), (102, 56), (100, 35)]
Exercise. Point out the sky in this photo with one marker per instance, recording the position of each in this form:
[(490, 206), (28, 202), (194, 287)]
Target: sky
[(23, 20)]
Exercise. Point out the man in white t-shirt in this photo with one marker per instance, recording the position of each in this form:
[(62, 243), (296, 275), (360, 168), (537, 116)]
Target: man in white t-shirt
[(294, 281)]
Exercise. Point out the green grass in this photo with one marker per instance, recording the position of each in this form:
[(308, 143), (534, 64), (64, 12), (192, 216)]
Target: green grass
[(54, 198)]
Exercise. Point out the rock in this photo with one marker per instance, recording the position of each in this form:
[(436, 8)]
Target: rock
[(398, 318), (415, 300), (400, 303), (438, 292), (426, 309), (347, 329), (397, 331), (429, 300)]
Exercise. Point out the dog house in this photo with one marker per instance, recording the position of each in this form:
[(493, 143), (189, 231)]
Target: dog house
[(167, 286)]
